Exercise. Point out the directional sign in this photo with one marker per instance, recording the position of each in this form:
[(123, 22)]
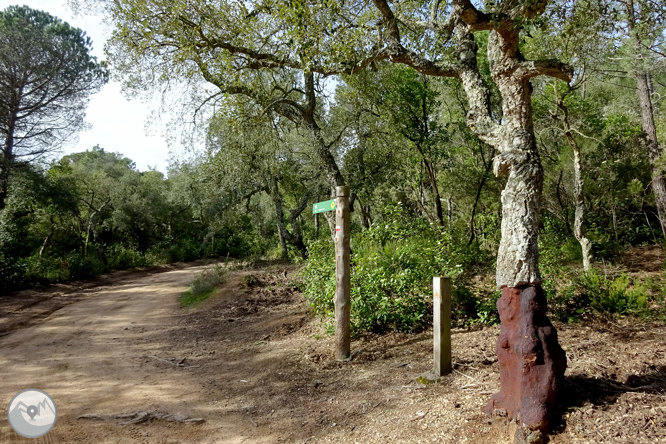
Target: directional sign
[(321, 207)]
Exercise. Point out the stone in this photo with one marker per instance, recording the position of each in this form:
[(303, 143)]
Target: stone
[(532, 362), (525, 435)]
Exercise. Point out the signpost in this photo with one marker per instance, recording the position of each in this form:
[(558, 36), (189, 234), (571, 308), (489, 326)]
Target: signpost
[(342, 269), (321, 207)]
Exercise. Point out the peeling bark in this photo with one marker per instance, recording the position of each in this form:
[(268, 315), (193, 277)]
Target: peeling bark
[(531, 361)]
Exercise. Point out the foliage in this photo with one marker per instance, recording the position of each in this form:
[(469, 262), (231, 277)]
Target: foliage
[(393, 264), (203, 285), (595, 291), (47, 75), (92, 212)]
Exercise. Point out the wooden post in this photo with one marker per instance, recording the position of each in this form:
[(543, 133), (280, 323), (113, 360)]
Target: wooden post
[(342, 275), (442, 324)]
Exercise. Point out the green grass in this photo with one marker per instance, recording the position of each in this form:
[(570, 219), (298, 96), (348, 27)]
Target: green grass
[(203, 286), (189, 300)]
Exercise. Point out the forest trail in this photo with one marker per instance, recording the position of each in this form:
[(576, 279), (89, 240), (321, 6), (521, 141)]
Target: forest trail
[(125, 364), (99, 359)]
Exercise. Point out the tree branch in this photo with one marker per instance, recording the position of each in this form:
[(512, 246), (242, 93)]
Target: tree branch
[(552, 68)]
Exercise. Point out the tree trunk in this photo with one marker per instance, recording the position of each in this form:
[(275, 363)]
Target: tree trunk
[(283, 242), (652, 145), (88, 232), (7, 160), (295, 238), (531, 361), (333, 175), (46, 242), (579, 216), (365, 215), (579, 198), (647, 117), (488, 166), (316, 225)]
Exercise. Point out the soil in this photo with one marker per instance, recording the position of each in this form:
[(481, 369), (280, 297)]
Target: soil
[(125, 364)]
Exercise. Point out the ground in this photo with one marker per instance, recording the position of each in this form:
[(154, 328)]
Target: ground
[(125, 364)]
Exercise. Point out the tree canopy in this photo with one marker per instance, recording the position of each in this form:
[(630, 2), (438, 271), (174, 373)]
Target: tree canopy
[(46, 77)]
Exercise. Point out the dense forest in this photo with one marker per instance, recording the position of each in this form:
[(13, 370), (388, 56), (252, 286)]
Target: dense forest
[(515, 144)]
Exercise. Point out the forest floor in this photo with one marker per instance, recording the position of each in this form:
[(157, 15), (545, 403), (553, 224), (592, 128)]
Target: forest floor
[(125, 364)]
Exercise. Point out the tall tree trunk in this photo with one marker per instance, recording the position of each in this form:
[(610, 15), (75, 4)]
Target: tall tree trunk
[(579, 215), (88, 232), (7, 159), (532, 363), (652, 145), (579, 198), (316, 225), (283, 241), (438, 200), (647, 117), (488, 166), (295, 238), (365, 215), (333, 175)]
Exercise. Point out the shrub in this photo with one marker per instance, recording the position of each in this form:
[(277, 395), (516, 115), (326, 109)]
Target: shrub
[(121, 257), (203, 285), (594, 291), (84, 267), (393, 264)]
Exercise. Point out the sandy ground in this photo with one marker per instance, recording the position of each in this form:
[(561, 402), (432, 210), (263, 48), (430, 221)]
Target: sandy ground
[(125, 364)]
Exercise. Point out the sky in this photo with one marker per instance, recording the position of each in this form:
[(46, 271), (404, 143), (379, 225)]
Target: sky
[(118, 124)]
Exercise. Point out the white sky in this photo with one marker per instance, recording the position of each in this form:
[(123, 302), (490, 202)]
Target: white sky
[(118, 125)]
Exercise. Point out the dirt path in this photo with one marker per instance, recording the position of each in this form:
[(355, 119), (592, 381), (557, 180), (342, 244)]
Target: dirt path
[(94, 358), (125, 364)]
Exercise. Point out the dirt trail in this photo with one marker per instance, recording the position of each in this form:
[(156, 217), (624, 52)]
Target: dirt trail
[(125, 364), (97, 356)]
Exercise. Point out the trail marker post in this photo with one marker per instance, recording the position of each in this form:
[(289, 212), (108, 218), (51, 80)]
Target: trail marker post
[(342, 275), (441, 287), (342, 269)]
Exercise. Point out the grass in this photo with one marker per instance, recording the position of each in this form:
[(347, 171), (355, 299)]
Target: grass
[(203, 286)]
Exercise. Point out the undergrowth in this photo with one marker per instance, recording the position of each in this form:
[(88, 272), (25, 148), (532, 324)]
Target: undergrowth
[(393, 264), (204, 285)]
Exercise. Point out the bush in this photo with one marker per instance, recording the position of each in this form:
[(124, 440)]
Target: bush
[(393, 264), (43, 270), (121, 257), (614, 296), (84, 267), (203, 285), (594, 291)]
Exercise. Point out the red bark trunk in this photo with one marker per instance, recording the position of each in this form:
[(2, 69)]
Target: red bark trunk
[(531, 361)]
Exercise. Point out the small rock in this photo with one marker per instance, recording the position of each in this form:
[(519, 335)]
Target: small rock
[(526, 435)]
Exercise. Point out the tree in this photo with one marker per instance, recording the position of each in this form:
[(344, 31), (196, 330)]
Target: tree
[(254, 155), (645, 25), (408, 102), (224, 41), (46, 77), (532, 363)]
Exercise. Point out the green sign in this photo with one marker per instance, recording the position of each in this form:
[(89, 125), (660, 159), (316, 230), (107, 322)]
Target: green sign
[(321, 207)]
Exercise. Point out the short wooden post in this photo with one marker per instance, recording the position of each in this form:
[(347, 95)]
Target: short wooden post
[(342, 275), (442, 324)]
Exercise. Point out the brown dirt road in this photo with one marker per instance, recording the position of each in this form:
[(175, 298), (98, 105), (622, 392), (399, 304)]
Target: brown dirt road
[(125, 364), (98, 356)]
